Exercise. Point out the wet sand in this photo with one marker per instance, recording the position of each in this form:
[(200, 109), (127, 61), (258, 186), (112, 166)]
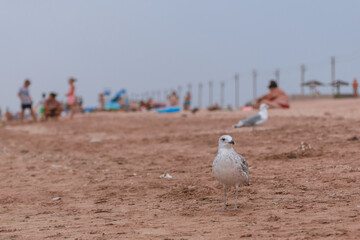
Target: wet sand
[(110, 187)]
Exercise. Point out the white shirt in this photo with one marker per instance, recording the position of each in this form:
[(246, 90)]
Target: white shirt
[(25, 95)]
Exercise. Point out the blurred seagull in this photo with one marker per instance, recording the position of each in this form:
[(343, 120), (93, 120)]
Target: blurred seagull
[(256, 119), (230, 168)]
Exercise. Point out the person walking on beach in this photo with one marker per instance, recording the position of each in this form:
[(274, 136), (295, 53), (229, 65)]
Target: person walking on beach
[(26, 101), (355, 87), (71, 98)]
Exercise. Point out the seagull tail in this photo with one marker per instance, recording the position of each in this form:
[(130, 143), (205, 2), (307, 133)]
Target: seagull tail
[(239, 124)]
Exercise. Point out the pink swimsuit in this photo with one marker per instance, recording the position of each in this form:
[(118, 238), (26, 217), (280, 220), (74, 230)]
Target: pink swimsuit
[(71, 98)]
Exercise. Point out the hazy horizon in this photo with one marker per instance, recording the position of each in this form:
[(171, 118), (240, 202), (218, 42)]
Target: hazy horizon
[(145, 46)]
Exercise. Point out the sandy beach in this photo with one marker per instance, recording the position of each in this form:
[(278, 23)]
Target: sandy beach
[(103, 172)]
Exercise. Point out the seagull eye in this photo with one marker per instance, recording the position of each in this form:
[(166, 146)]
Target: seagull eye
[(223, 139)]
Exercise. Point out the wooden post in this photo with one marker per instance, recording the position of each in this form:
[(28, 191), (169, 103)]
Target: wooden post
[(333, 74), (190, 88), (303, 69), (236, 90), (210, 93), (166, 95), (200, 95), (158, 93), (254, 86), (179, 89), (222, 87), (277, 76)]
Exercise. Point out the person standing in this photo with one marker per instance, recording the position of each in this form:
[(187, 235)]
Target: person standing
[(355, 87), (71, 98), (26, 101), (102, 101), (187, 102), (40, 106)]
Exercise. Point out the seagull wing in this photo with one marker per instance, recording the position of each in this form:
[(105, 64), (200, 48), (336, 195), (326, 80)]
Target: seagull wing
[(241, 165), (252, 120)]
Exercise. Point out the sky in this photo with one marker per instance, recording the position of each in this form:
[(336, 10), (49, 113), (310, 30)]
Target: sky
[(159, 45)]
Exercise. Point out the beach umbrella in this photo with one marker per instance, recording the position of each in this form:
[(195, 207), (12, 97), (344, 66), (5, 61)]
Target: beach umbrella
[(338, 83), (312, 84)]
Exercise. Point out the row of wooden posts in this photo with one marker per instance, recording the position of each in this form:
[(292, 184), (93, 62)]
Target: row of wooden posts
[(156, 95)]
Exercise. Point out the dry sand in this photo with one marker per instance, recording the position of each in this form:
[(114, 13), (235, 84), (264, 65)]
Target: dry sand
[(111, 189)]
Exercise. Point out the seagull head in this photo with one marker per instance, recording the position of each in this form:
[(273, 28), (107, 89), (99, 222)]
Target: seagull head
[(226, 141), (263, 107)]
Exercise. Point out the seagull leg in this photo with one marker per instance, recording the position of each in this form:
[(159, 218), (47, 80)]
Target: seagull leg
[(236, 196), (224, 197)]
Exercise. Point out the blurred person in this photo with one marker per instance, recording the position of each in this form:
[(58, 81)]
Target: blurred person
[(8, 116), (52, 107), (355, 87), (79, 104), (40, 105), (26, 101), (187, 102), (173, 99), (214, 107), (133, 106), (102, 101), (71, 98), (150, 104), (229, 108), (277, 98), (142, 106)]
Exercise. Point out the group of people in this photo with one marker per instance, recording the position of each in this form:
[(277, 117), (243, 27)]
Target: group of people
[(146, 105), (48, 107)]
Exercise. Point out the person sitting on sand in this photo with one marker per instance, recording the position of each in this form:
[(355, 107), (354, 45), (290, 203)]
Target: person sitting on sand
[(150, 104), (142, 106), (214, 107), (133, 106), (173, 99), (52, 108), (8, 116), (277, 98)]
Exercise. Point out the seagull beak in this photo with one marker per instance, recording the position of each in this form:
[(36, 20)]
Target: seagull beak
[(232, 142)]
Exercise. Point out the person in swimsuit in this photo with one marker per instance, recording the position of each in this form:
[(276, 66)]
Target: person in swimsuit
[(277, 98), (71, 98), (187, 101), (26, 101)]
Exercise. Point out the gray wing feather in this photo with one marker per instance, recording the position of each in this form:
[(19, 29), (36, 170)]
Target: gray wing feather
[(252, 120), (243, 165)]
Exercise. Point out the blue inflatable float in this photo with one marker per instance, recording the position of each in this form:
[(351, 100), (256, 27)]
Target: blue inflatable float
[(169, 110)]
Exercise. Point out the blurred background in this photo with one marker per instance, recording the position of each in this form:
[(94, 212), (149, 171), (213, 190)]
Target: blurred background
[(153, 47)]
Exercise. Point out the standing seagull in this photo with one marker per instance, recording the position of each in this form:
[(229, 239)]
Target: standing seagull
[(256, 119), (230, 168)]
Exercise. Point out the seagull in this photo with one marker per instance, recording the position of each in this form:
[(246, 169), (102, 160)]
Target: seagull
[(256, 119), (230, 168)]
